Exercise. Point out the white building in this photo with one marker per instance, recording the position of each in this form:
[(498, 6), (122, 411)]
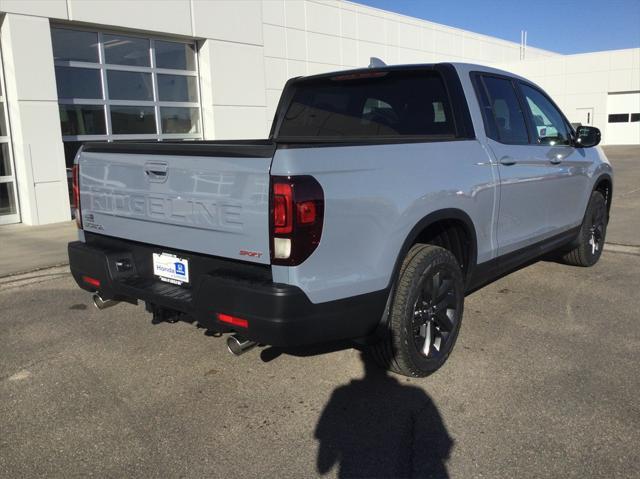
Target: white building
[(77, 70)]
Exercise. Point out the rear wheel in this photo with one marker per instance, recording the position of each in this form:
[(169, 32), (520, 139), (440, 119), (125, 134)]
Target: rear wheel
[(425, 314), (592, 234)]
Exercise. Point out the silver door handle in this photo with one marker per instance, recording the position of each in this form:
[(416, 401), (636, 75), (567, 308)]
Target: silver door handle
[(507, 161), (555, 160)]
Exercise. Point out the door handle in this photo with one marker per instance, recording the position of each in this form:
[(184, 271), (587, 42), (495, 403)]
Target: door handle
[(156, 171), (555, 160), (507, 161)]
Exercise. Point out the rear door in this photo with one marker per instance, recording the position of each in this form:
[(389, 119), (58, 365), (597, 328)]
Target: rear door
[(203, 198), (523, 217)]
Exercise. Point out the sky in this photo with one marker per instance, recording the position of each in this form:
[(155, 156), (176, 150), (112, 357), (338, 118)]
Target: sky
[(562, 26)]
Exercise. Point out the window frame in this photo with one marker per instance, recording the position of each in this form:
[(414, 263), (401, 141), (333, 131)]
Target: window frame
[(476, 80), (529, 115), (482, 92), (10, 179), (106, 102)]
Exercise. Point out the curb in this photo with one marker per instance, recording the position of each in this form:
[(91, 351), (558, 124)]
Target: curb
[(622, 248), (35, 276), (34, 270)]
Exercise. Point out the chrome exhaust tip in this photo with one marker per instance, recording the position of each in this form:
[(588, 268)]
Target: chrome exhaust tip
[(238, 346), (101, 303)]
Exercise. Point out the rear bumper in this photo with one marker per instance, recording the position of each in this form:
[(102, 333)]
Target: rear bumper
[(277, 314)]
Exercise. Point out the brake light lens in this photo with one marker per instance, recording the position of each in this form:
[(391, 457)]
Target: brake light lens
[(75, 185), (297, 204), (282, 208), (359, 76)]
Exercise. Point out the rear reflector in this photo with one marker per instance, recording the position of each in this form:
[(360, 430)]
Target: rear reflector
[(91, 281), (306, 212), (233, 320)]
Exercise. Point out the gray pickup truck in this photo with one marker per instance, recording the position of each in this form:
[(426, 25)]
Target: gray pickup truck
[(380, 199)]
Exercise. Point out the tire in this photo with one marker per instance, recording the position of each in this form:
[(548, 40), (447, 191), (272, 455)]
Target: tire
[(591, 238), (425, 313)]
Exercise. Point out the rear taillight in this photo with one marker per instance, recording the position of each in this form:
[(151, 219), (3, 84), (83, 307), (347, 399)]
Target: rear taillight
[(297, 213), (76, 195), (282, 208)]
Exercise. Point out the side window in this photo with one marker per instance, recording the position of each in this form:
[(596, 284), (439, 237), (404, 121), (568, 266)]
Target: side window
[(549, 125), (504, 108)]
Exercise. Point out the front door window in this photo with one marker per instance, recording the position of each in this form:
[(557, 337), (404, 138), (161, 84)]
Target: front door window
[(550, 127)]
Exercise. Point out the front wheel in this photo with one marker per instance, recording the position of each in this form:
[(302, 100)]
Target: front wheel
[(590, 241), (425, 314)]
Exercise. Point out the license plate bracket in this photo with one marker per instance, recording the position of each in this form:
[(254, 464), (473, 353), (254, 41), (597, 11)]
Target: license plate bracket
[(171, 268)]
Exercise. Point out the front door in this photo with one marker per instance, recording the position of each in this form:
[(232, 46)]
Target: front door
[(8, 193), (523, 217), (569, 167)]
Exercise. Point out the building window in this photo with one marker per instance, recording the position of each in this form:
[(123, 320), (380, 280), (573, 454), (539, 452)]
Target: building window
[(635, 116), (619, 118), (113, 86), (9, 211)]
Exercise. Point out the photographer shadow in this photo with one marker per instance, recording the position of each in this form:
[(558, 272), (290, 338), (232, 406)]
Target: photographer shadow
[(378, 427)]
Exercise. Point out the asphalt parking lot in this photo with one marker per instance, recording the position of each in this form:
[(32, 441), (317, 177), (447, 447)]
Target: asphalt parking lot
[(543, 382)]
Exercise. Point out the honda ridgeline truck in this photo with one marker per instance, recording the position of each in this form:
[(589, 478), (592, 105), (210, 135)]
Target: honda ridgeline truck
[(380, 199)]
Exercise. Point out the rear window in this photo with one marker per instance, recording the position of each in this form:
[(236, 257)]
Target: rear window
[(380, 104)]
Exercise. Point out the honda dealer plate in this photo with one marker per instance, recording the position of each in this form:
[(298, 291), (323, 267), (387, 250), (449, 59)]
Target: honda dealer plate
[(170, 268)]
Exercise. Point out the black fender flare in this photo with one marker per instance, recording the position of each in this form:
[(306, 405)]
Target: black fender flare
[(430, 219), (605, 177), (419, 227)]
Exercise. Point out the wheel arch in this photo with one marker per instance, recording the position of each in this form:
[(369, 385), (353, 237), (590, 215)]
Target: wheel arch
[(604, 184), (450, 228)]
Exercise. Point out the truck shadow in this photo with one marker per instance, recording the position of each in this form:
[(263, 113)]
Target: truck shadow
[(378, 427)]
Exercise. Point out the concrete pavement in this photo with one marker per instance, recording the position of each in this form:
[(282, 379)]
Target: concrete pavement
[(543, 382), (28, 248), (624, 227)]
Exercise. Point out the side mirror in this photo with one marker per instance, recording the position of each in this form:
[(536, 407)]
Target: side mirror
[(587, 136)]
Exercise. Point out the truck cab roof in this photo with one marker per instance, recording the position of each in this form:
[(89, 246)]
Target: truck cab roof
[(460, 67)]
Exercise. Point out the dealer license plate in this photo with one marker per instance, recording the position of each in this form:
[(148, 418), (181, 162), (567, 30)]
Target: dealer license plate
[(170, 268)]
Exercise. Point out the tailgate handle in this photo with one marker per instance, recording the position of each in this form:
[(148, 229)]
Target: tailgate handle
[(156, 171)]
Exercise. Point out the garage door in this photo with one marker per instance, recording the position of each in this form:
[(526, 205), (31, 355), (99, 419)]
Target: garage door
[(623, 120)]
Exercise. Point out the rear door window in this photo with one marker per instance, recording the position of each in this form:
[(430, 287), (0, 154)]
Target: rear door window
[(380, 104), (502, 113)]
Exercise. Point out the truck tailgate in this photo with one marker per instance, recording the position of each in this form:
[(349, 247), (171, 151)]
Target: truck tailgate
[(204, 197)]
